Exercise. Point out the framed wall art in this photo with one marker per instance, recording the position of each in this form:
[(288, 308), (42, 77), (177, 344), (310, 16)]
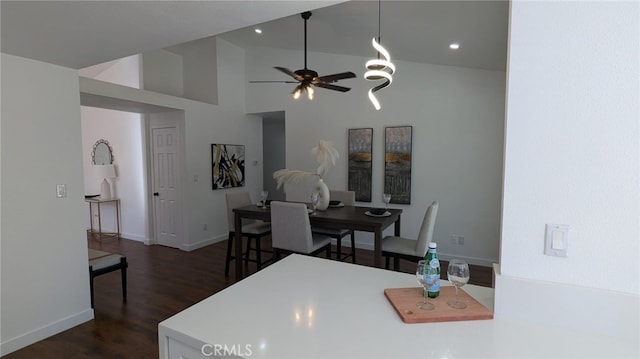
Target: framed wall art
[(227, 166), (360, 163), (397, 163)]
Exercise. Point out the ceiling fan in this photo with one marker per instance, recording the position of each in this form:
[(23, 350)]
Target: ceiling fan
[(306, 78)]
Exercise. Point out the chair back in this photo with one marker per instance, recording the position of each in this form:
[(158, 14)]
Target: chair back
[(290, 228), (346, 197), (426, 229), (235, 200)]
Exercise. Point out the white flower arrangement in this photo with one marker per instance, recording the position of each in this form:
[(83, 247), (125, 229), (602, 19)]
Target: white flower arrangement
[(324, 152)]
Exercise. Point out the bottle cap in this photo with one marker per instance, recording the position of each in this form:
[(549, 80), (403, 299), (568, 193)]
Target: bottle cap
[(433, 245)]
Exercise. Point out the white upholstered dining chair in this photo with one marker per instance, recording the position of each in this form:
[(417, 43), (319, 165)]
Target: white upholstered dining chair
[(252, 230), (291, 231), (349, 199), (410, 249)]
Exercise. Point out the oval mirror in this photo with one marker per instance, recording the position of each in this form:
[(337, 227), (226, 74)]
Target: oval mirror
[(102, 153)]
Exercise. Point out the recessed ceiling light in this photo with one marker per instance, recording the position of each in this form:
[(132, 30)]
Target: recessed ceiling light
[(454, 46), (258, 30)]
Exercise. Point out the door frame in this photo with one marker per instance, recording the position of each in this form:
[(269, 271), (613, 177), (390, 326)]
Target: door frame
[(163, 120)]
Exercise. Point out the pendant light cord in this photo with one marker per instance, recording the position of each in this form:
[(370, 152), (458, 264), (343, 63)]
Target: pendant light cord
[(305, 42), (379, 16)]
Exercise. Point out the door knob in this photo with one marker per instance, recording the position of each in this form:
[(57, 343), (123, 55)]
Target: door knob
[(156, 194)]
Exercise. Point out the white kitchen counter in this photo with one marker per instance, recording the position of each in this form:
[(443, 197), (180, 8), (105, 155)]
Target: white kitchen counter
[(306, 307)]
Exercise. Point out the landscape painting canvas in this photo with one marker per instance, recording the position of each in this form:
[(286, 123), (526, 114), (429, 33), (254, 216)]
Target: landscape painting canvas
[(360, 178), (397, 163), (227, 166)]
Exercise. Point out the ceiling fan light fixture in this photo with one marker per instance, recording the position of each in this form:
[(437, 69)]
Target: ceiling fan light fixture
[(296, 93), (307, 78), (310, 92)]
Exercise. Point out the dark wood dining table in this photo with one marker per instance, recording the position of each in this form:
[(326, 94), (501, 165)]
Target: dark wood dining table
[(349, 217)]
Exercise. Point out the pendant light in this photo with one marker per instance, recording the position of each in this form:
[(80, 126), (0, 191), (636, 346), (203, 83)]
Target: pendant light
[(379, 69)]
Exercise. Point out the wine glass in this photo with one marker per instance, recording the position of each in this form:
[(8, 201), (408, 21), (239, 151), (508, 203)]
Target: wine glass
[(424, 305), (458, 275), (386, 197), (314, 201), (263, 198)]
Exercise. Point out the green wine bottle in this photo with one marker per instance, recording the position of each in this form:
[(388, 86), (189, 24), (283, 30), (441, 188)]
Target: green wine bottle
[(432, 271)]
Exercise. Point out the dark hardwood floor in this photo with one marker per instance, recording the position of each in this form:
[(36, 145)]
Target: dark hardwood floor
[(162, 281)]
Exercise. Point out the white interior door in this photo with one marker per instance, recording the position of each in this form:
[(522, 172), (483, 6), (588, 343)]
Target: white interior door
[(166, 200)]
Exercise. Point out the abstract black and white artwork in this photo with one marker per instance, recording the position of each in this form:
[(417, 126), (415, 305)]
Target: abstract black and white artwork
[(227, 166)]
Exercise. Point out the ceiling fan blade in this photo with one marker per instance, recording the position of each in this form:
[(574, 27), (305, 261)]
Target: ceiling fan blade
[(273, 82), (335, 77), (288, 72), (332, 87)]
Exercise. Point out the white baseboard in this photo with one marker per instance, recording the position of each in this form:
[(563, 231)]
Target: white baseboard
[(368, 245), (605, 312), (41, 333), (203, 243), (134, 237)]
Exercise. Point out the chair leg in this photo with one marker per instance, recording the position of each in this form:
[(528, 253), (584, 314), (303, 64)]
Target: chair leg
[(386, 262), (228, 260), (248, 251), (123, 272), (396, 263), (276, 253), (329, 252), (91, 283), (339, 248), (258, 256), (353, 247)]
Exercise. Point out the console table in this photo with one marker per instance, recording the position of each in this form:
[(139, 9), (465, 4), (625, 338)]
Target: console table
[(99, 233)]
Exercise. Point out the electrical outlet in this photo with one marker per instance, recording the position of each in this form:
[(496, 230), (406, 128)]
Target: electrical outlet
[(458, 240), (61, 190)]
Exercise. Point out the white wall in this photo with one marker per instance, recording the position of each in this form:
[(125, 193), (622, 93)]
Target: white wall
[(206, 124), (457, 116), (273, 155), (123, 130), (162, 72), (572, 157), (45, 281), (125, 71)]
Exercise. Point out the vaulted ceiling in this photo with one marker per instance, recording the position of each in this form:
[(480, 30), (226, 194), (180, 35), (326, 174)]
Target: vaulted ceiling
[(80, 34)]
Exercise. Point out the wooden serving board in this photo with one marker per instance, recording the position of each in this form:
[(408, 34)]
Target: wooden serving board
[(404, 302)]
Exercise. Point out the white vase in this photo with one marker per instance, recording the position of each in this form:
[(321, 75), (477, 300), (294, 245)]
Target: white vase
[(323, 195)]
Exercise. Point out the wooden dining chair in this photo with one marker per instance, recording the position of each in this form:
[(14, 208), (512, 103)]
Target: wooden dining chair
[(348, 198), (410, 249), (252, 230), (291, 231)]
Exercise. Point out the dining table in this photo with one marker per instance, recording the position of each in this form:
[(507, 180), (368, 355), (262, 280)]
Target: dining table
[(357, 218)]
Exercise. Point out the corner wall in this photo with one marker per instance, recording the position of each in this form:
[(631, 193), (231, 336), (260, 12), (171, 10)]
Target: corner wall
[(43, 237), (572, 157)]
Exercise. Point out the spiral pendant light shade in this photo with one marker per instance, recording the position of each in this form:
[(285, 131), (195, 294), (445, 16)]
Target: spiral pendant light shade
[(379, 69)]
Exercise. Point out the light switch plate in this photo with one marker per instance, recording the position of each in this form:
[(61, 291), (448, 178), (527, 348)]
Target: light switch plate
[(556, 240), (61, 190)]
